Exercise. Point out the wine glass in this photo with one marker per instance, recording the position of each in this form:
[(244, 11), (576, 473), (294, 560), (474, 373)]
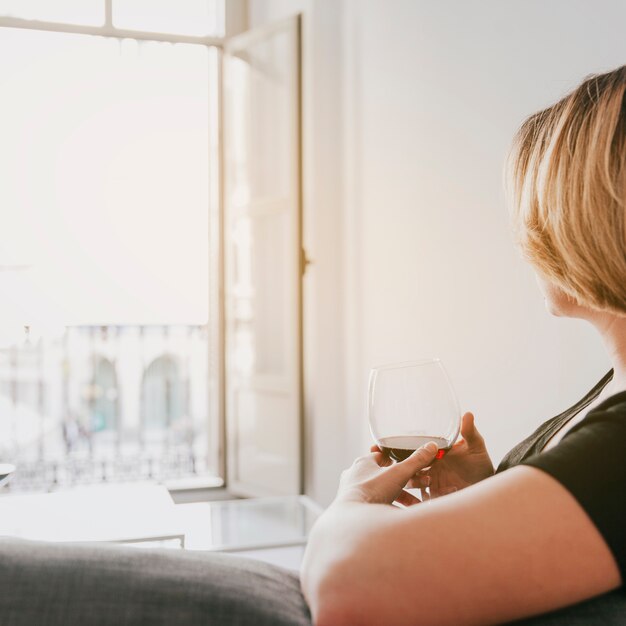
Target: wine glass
[(410, 404)]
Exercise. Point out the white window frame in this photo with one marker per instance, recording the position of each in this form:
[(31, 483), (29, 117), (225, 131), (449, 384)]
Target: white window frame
[(235, 23), (109, 30), (234, 18)]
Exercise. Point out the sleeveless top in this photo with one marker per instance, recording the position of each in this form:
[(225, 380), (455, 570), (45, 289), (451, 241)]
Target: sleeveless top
[(589, 461)]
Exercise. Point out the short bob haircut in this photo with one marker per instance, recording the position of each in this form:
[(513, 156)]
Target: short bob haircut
[(566, 182)]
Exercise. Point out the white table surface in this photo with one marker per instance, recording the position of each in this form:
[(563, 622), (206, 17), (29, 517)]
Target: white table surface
[(109, 513), (269, 529)]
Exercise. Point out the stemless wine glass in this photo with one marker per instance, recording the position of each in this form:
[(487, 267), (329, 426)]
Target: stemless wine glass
[(410, 404)]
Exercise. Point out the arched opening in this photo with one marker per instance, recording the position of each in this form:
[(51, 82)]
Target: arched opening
[(162, 394), (104, 396)]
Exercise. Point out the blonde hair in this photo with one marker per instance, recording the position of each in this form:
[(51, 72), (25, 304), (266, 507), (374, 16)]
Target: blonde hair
[(566, 179)]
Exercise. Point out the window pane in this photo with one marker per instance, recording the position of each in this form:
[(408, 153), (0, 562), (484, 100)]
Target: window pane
[(261, 154), (105, 190), (262, 261), (104, 156), (261, 281), (183, 17), (89, 12)]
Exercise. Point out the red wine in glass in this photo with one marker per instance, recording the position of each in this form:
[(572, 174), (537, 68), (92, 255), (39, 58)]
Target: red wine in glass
[(401, 447)]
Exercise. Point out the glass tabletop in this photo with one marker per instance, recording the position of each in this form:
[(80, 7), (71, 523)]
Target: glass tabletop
[(248, 524)]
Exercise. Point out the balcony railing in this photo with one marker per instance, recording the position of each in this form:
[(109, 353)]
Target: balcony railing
[(104, 404)]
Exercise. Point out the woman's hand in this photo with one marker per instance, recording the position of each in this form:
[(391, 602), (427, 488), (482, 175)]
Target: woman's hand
[(466, 463), (375, 478)]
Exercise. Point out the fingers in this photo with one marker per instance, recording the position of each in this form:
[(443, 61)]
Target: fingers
[(437, 493), (421, 458), (469, 431), (407, 499), (381, 458), (420, 481)]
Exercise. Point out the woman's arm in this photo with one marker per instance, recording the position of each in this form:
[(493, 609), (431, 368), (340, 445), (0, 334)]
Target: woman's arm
[(514, 545)]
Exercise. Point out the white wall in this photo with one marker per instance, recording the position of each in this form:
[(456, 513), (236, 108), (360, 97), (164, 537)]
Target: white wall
[(409, 110)]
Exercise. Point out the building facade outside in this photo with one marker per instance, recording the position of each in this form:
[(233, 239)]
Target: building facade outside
[(105, 403)]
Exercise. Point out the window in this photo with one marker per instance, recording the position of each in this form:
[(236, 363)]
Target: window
[(88, 12), (183, 17), (107, 164), (150, 319)]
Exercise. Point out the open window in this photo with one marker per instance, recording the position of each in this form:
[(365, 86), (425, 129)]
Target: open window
[(262, 238), (150, 247)]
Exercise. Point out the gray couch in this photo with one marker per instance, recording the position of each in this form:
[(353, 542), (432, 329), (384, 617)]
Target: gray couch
[(96, 585)]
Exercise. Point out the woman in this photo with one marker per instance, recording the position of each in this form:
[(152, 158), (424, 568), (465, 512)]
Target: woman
[(549, 528), (546, 533)]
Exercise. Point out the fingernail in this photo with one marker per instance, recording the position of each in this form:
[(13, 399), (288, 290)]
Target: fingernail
[(431, 447)]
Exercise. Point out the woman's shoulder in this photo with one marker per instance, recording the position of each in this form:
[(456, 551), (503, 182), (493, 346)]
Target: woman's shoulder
[(608, 417), (537, 440), (614, 405)]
